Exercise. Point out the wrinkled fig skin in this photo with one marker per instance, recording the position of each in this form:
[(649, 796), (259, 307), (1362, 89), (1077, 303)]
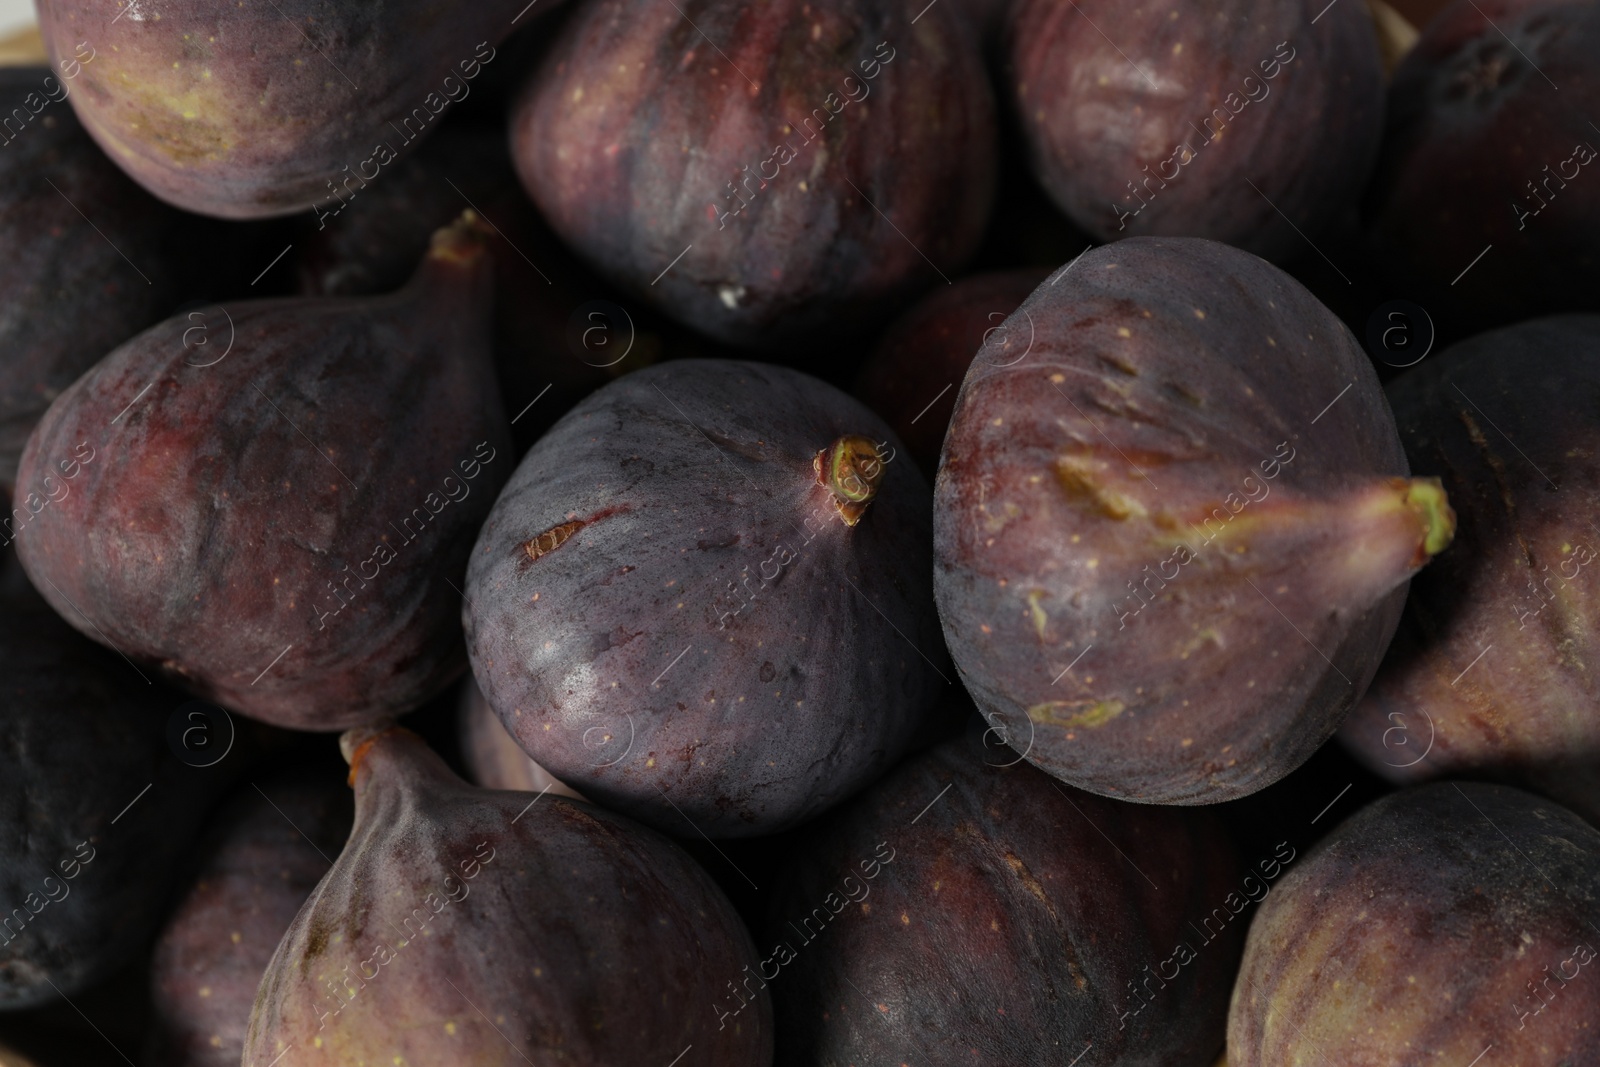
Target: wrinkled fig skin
[(258, 872), (903, 113), (1520, 580), (1431, 924), (1159, 480), (929, 350), (585, 937), (633, 618), (72, 298), (229, 497), (1480, 149), (1004, 928), (245, 112), (492, 756), (1163, 132), (81, 737)]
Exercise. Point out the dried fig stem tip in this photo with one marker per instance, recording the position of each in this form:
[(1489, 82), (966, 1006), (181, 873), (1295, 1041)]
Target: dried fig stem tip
[(851, 469), (1427, 496), (463, 241), (354, 743)]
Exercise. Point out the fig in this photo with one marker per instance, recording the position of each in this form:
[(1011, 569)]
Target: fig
[(1487, 674), (493, 758), (281, 524), (267, 851), (912, 376), (1250, 121), (244, 112), (94, 273), (971, 909), (781, 226), (1485, 204), (621, 620), (564, 933), (1172, 543), (1429, 927)]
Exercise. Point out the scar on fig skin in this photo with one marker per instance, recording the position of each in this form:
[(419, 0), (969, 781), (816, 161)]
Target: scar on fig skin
[(851, 469)]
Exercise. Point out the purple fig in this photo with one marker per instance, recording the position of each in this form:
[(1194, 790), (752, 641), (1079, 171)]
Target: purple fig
[(279, 517), (1172, 543), (1250, 121), (1488, 672), (838, 151), (971, 909), (267, 851), (492, 756), (497, 927), (1446, 924)]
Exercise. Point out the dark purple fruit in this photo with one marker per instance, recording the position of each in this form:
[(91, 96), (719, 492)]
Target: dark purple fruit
[(267, 851), (1489, 672), (1444, 924), (1250, 121), (971, 909), (762, 172), (462, 925), (622, 620), (911, 378), (279, 518), (1172, 543), (88, 270), (492, 756), (1486, 201)]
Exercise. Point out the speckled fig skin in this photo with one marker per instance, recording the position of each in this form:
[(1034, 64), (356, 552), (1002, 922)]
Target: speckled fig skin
[(260, 508), (1430, 925), (267, 851), (1114, 100), (974, 910), (635, 136), (1497, 416), (244, 112), (72, 297), (1471, 123), (929, 349), (1150, 532), (586, 938), (492, 756), (622, 620)]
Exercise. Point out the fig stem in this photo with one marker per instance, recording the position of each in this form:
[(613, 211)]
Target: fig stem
[(461, 241), (851, 469), (1428, 496), (354, 743)]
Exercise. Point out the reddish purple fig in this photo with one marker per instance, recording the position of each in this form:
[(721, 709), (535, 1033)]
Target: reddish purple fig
[(1172, 543), (971, 909), (912, 377), (1489, 671), (462, 925), (274, 504), (1249, 121), (492, 756), (766, 173), (1441, 925), (267, 851)]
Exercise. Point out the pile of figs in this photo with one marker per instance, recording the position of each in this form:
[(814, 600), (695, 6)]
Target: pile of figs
[(800, 534)]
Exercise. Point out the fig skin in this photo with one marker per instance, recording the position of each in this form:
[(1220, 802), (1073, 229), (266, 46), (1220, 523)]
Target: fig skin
[(929, 349), (213, 529), (585, 937), (244, 112), (661, 494), (600, 140), (1002, 921), (492, 756), (72, 297), (1419, 932), (1471, 122), (1110, 147), (1497, 416), (267, 852), (1174, 385)]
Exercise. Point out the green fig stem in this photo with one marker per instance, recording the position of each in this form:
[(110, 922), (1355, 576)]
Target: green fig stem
[(463, 241), (1428, 496), (851, 469)]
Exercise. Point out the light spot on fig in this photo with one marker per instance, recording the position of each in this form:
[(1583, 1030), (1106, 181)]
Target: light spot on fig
[(550, 540), (1199, 314), (1073, 713), (1040, 619), (1123, 331), (1077, 479), (730, 295), (205, 991)]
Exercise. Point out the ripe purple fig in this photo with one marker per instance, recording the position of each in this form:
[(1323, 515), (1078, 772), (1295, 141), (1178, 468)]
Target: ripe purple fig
[(1488, 673), (971, 902), (1431, 927), (274, 503), (1248, 121), (838, 151), (497, 927), (622, 621), (1172, 543), (492, 756)]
